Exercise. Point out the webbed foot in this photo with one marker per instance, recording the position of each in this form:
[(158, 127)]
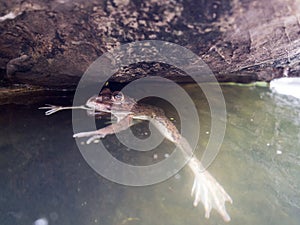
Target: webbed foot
[(55, 108), (94, 135), (208, 191), (52, 109)]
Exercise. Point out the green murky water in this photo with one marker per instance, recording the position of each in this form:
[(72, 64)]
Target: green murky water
[(43, 174)]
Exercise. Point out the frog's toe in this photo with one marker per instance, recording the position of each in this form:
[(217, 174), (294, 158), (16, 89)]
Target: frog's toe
[(212, 195), (94, 138), (94, 135), (52, 109), (84, 134)]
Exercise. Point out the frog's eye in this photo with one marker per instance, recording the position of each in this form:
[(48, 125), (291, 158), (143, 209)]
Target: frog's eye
[(118, 96)]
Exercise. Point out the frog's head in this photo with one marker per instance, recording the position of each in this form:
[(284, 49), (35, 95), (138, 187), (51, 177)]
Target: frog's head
[(111, 102)]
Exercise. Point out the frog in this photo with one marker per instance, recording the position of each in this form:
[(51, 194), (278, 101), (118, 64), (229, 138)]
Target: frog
[(128, 112)]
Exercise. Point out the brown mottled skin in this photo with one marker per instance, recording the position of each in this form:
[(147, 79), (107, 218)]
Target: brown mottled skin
[(206, 189)]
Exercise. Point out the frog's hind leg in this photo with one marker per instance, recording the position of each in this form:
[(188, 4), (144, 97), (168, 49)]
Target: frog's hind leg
[(208, 191)]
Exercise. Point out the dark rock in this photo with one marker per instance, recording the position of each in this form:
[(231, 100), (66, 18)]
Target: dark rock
[(52, 43)]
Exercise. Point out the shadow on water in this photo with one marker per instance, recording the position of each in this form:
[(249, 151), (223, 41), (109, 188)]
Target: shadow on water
[(44, 175)]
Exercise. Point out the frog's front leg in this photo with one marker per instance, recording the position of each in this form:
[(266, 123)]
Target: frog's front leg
[(123, 124)]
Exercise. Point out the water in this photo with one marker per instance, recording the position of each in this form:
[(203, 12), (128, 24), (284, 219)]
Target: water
[(44, 176)]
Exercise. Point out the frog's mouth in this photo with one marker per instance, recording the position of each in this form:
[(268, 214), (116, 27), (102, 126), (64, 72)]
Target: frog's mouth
[(104, 109), (98, 105), (96, 110)]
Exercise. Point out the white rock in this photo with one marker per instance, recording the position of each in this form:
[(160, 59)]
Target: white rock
[(286, 86)]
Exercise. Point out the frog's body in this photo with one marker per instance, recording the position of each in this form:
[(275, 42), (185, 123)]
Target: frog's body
[(126, 110), (206, 189)]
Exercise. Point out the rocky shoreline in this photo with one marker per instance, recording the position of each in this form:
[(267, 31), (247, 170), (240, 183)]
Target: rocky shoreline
[(51, 44)]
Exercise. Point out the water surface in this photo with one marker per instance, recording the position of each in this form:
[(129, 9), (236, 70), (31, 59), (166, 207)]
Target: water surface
[(43, 174)]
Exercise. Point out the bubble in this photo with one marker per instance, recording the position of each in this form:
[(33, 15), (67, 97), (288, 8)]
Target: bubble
[(41, 221)]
